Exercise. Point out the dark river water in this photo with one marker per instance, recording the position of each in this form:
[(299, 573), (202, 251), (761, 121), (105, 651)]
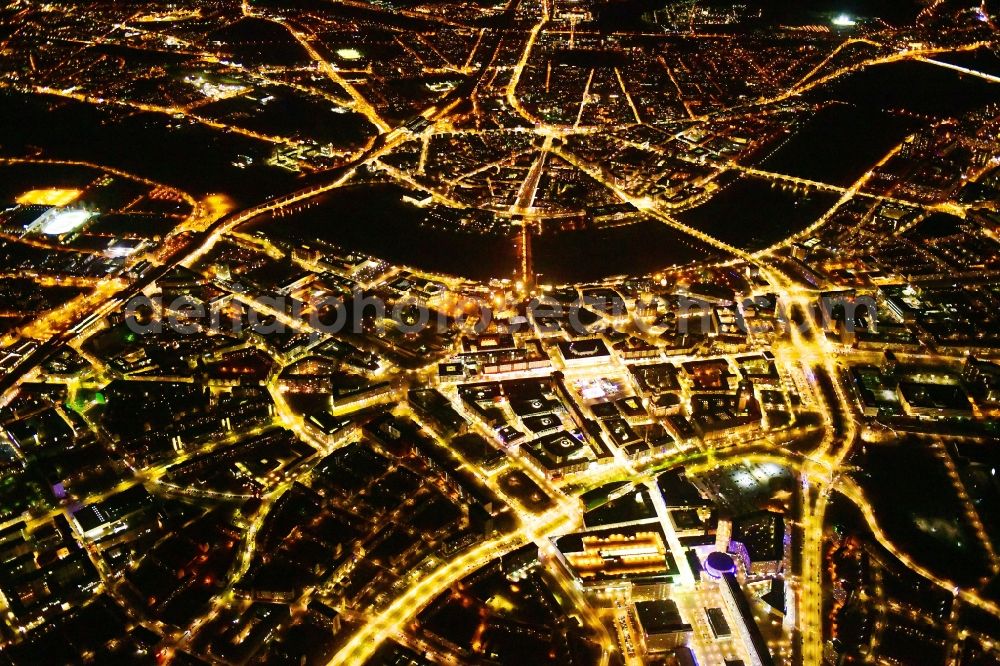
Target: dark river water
[(874, 110), (375, 219), (838, 144), (917, 87), (752, 213)]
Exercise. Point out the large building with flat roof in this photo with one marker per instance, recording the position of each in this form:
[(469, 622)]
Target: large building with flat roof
[(746, 626), (661, 626), (758, 540), (633, 555)]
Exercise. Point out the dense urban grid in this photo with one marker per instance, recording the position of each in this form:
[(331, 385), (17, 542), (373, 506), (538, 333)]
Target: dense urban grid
[(590, 332)]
